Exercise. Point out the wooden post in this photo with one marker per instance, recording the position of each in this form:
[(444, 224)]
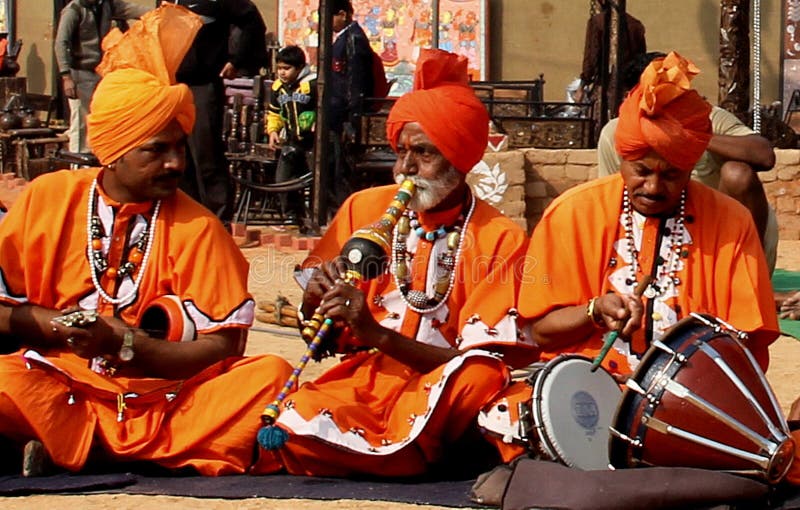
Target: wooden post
[(322, 177), (734, 56), (605, 80), (618, 11)]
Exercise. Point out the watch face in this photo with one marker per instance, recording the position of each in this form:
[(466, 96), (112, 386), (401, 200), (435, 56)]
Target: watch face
[(126, 353)]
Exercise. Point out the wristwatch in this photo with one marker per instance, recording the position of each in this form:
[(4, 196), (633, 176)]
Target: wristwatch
[(126, 351)]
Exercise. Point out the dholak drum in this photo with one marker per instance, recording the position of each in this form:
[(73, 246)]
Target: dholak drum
[(571, 412), (699, 399)]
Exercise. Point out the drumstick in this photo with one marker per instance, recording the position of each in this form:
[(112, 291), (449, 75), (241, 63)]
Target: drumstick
[(612, 336)]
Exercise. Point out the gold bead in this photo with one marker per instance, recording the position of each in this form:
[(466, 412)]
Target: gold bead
[(452, 240)]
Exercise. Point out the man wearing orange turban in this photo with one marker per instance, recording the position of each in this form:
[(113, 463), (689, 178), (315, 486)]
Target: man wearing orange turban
[(424, 337), (597, 241), (730, 163), (110, 242)]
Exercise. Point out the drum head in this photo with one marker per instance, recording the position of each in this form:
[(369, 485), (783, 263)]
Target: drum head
[(573, 409)]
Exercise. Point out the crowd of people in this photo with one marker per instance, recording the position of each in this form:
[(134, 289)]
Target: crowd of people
[(426, 345)]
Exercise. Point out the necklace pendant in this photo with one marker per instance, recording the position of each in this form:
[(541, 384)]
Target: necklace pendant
[(650, 292), (417, 298)]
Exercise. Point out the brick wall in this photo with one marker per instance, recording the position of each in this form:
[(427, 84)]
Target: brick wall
[(543, 174), (783, 191)]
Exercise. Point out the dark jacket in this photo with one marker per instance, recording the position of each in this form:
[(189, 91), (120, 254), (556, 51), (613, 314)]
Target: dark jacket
[(351, 78), (214, 47)]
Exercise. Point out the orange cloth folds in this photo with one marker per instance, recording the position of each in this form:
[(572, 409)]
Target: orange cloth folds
[(208, 426), (664, 114), (137, 96), (725, 273), (445, 107)]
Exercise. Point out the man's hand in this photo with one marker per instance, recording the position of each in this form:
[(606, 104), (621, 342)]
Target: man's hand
[(347, 306), (228, 71), (620, 312), (103, 337), (340, 301), (68, 84)]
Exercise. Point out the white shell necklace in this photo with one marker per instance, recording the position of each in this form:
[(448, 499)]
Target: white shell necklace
[(89, 250), (667, 272)]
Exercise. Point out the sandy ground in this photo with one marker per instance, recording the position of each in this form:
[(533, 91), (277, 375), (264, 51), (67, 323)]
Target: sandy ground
[(270, 275)]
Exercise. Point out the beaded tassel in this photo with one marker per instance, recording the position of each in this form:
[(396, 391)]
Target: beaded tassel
[(272, 437)]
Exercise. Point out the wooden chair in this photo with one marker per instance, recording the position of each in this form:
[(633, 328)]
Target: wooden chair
[(251, 163), (366, 149)]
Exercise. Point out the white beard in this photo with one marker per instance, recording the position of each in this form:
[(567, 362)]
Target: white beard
[(430, 192)]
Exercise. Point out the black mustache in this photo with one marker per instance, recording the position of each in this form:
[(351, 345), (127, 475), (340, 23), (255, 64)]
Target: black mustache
[(169, 176), (655, 198)]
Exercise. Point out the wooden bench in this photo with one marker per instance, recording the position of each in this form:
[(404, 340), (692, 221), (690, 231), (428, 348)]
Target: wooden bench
[(554, 125)]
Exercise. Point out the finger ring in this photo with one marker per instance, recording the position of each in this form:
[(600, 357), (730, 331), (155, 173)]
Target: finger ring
[(347, 303), (70, 341)]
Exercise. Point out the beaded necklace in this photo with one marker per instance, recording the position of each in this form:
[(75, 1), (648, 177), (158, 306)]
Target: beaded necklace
[(667, 272), (97, 260), (429, 236), (418, 300)]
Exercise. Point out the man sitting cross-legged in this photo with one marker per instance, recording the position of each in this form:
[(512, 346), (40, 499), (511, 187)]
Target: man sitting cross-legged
[(432, 328), (110, 241)]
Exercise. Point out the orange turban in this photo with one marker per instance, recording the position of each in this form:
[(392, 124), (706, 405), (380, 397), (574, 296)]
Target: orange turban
[(446, 109), (137, 96), (663, 113)]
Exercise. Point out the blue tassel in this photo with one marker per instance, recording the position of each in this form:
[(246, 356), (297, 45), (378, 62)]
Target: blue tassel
[(272, 437)]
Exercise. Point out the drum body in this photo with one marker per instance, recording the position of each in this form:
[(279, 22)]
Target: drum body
[(166, 318), (699, 399), (571, 412)]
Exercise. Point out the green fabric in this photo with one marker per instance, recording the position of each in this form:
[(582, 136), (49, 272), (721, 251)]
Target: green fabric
[(786, 281)]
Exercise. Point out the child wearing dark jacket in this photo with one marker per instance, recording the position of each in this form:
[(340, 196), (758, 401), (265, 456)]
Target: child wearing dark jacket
[(291, 119)]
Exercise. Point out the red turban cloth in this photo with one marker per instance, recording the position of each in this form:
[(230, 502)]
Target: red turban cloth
[(137, 96), (664, 114), (445, 107)]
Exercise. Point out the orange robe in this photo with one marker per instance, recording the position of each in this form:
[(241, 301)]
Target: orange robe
[(579, 251), (371, 414), (208, 421)]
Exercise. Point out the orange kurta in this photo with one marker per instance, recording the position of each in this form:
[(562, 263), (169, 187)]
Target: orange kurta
[(580, 251), (56, 398), (364, 415)]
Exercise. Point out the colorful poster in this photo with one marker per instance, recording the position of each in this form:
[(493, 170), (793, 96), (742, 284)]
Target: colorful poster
[(397, 29), (5, 25), (791, 55)]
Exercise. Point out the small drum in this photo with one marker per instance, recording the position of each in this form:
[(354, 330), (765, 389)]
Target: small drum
[(699, 399), (571, 412)]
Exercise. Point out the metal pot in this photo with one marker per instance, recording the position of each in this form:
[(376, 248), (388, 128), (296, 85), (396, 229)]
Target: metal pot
[(10, 120), (30, 120)]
